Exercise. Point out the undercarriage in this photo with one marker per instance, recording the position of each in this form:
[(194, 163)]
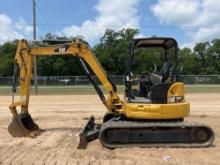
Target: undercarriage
[(118, 132)]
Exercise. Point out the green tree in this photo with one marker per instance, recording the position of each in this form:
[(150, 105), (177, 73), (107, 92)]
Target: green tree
[(215, 55), (112, 51), (188, 62), (208, 57), (58, 65), (7, 53)]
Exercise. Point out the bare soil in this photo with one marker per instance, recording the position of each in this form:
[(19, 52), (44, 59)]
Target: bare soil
[(62, 118)]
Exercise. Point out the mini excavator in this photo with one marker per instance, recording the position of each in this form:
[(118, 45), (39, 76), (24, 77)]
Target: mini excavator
[(151, 114)]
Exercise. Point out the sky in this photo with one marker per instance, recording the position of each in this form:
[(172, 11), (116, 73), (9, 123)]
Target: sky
[(189, 21)]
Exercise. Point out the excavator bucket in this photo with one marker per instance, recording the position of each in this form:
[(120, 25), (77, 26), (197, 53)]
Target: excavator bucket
[(22, 125)]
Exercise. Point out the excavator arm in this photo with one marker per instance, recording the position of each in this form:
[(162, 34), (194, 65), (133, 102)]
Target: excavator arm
[(22, 124), (23, 65)]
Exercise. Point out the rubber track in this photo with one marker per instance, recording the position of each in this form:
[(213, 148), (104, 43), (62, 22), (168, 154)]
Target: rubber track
[(176, 134)]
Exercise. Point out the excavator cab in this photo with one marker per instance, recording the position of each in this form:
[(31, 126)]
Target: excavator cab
[(154, 80), (154, 105)]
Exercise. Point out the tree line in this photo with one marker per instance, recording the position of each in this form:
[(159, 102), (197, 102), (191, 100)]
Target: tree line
[(112, 51)]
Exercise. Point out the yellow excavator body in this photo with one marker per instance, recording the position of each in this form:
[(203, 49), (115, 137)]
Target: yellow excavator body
[(153, 120)]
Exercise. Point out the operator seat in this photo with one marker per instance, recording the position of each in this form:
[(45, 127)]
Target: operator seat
[(163, 74), (165, 71), (160, 88)]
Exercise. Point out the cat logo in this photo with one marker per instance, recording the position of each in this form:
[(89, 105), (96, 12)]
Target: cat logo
[(62, 50)]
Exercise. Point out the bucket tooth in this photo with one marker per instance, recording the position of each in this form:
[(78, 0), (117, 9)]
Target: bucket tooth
[(22, 125)]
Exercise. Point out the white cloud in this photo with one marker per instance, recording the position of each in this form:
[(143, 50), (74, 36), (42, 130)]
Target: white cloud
[(198, 18), (7, 32), (21, 25), (141, 36), (175, 11), (114, 14), (207, 33), (10, 31)]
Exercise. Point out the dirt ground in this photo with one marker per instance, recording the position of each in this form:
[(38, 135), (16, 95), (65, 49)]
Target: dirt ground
[(63, 116)]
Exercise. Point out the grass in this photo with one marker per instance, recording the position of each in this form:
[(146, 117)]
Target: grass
[(202, 88), (89, 90)]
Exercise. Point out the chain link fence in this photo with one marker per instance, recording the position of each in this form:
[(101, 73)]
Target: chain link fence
[(118, 80), (200, 79)]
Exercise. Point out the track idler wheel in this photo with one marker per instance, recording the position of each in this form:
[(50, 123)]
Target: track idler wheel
[(201, 134), (22, 125)]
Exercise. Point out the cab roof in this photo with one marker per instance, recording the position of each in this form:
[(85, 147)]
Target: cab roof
[(164, 42)]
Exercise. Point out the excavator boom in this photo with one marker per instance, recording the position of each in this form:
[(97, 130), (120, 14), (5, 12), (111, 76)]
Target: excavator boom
[(22, 123)]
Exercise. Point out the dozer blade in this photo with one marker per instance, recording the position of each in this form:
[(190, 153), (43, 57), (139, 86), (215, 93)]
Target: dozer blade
[(22, 125), (89, 133)]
